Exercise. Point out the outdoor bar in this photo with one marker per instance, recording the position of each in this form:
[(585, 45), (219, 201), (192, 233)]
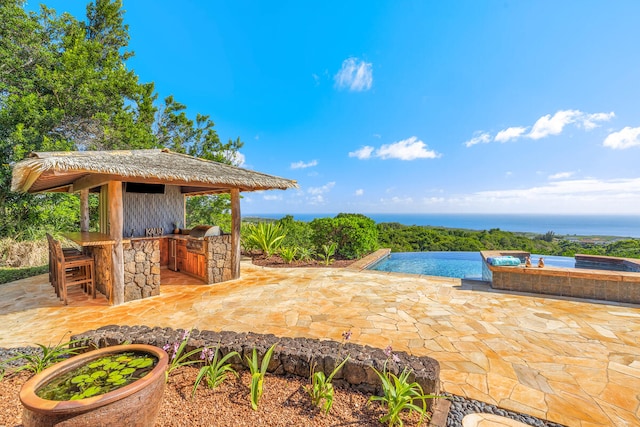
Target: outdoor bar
[(142, 199)]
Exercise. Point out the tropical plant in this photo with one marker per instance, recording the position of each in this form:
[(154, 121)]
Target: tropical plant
[(257, 374), (327, 253), (305, 254), (265, 236), (321, 387), (400, 395), (176, 357), (215, 369), (288, 254), (47, 356)]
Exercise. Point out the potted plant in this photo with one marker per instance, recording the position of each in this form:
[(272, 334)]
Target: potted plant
[(111, 386)]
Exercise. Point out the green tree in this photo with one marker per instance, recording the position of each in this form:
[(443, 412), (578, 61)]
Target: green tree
[(175, 130), (64, 85)]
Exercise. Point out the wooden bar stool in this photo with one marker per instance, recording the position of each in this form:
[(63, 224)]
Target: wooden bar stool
[(69, 253), (73, 270)]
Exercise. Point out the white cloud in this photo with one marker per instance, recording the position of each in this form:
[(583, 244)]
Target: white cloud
[(396, 200), (316, 200), (510, 133), (272, 197), (377, 135), (303, 165), (359, 192), (235, 157), (547, 125), (589, 121), (321, 190), (614, 196), (481, 137), (561, 175), (552, 125), (362, 153), (626, 138), (355, 75), (408, 149)]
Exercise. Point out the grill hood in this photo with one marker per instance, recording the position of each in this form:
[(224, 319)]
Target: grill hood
[(204, 231)]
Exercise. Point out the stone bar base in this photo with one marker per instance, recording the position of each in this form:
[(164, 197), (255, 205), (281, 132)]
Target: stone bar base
[(141, 269)]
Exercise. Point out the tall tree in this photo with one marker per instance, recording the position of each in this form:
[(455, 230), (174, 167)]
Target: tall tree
[(64, 85), (198, 138)]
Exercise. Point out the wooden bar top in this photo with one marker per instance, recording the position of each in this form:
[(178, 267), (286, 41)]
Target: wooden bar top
[(89, 238)]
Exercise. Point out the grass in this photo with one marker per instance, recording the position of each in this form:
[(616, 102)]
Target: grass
[(9, 274)]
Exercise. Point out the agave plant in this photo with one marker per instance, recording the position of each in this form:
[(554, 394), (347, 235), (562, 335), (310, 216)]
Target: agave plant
[(266, 236)]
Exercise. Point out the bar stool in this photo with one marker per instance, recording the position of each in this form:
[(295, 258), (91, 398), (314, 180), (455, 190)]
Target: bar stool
[(72, 270), (69, 253)]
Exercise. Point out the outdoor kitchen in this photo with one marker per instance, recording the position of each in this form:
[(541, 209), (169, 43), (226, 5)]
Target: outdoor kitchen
[(153, 215), (141, 230)]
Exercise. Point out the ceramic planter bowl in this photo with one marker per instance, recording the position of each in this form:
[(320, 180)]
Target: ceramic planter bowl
[(136, 404)]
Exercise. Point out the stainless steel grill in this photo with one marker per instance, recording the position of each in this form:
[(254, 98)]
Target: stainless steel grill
[(205, 231)]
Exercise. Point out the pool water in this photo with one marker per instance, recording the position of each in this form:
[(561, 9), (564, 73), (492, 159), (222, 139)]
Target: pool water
[(462, 265)]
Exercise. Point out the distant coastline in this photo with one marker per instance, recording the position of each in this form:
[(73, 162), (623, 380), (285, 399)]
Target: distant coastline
[(561, 225)]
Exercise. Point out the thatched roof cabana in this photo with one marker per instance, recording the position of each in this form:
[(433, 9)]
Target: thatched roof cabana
[(78, 170), (112, 172)]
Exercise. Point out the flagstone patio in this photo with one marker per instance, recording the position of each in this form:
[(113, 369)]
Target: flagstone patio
[(570, 361)]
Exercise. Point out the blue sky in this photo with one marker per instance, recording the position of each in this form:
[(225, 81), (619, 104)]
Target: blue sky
[(410, 106)]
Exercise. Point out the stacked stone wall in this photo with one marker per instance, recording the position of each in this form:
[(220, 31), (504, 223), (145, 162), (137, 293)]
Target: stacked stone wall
[(141, 269), (218, 259)]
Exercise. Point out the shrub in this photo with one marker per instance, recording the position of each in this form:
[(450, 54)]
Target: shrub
[(355, 235), (298, 233)]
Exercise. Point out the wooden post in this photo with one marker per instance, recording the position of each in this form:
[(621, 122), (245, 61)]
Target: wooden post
[(115, 232), (235, 233), (84, 210)]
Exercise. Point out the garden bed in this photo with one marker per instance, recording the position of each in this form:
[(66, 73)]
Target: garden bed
[(275, 261), (284, 403)]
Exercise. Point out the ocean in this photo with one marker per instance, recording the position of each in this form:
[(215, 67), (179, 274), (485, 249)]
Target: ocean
[(565, 225)]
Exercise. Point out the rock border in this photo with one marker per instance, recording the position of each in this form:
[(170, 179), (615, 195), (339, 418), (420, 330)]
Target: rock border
[(292, 356)]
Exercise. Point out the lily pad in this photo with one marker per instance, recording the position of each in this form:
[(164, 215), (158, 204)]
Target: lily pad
[(79, 379)]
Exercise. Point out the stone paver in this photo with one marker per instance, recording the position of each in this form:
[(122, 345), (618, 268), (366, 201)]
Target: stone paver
[(569, 361)]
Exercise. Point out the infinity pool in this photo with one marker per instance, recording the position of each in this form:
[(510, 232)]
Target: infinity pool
[(462, 265)]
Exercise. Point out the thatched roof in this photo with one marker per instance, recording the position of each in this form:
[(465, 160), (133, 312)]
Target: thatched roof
[(75, 170)]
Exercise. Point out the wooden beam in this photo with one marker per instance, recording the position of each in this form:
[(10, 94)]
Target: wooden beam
[(235, 233), (84, 210), (115, 231), (92, 180)]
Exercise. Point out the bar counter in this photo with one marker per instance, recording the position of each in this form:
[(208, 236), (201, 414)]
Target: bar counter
[(89, 238), (99, 246)]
